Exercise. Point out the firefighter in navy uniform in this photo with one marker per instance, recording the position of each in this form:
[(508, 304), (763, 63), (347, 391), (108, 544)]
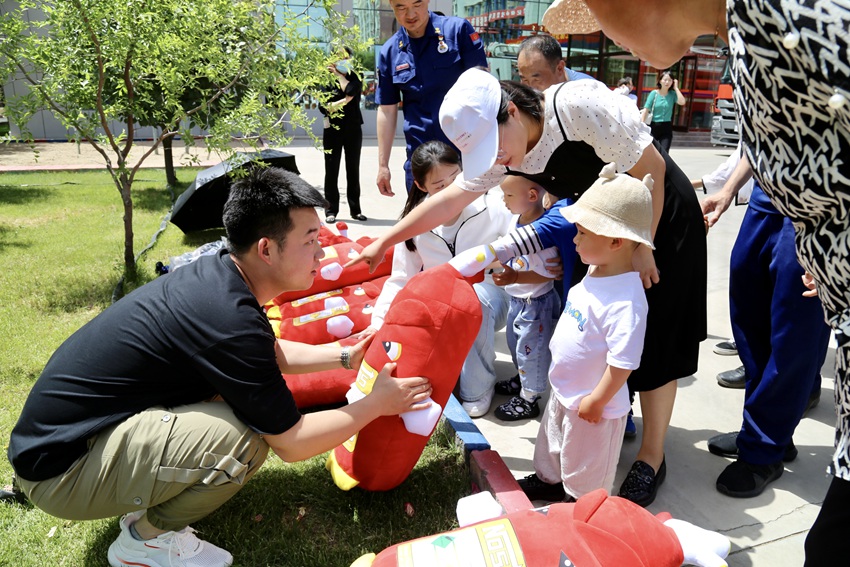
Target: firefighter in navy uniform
[(418, 65)]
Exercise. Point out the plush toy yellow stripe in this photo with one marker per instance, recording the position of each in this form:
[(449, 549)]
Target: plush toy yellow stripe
[(340, 477), (364, 560)]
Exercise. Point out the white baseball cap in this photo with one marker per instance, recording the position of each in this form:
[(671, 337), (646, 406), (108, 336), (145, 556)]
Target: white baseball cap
[(468, 119)]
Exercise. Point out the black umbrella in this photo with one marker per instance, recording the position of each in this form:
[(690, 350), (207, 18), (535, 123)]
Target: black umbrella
[(201, 206)]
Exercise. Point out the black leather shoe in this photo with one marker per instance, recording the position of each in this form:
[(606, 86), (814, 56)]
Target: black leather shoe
[(743, 480), (726, 348), (736, 378), (642, 482), (724, 445)]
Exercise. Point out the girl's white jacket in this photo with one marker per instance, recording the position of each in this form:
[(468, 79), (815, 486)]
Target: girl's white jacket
[(480, 222)]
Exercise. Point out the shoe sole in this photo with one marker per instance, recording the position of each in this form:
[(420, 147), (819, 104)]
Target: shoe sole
[(480, 411), (136, 562), (511, 417), (725, 352), (754, 492), (732, 385), (477, 413)]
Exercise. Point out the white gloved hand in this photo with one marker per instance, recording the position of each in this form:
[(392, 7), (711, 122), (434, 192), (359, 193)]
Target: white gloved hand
[(470, 262)]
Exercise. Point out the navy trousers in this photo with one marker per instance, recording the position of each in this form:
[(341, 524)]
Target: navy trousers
[(782, 337)]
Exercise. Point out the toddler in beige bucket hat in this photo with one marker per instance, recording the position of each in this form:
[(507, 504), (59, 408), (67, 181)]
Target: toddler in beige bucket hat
[(616, 206)]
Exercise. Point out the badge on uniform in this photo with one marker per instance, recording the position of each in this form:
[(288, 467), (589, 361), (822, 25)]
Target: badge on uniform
[(402, 67), (474, 36), (441, 46)]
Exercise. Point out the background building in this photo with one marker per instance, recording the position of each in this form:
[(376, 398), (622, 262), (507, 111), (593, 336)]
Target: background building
[(502, 24)]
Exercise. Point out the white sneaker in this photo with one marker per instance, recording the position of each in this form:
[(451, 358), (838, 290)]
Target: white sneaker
[(171, 549), (479, 407)]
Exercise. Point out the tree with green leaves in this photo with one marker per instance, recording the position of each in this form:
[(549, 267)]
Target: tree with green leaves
[(106, 67)]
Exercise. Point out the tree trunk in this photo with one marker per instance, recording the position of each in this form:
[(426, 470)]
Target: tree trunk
[(127, 199), (168, 156)]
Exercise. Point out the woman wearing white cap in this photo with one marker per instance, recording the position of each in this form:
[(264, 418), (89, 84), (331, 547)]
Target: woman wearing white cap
[(562, 139), (791, 69)]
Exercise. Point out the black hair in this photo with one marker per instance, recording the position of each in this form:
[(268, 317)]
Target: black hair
[(259, 206), (544, 44), (423, 159), (624, 81), (525, 98)]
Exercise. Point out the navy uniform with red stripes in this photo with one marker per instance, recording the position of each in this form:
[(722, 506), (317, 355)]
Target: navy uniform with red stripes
[(420, 71)]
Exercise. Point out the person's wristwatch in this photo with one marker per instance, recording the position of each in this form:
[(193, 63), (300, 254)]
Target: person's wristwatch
[(345, 358)]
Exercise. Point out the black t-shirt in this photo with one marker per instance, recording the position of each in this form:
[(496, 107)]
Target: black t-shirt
[(178, 340), (350, 117)]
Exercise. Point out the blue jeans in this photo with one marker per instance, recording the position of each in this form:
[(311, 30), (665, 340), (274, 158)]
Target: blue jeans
[(478, 375), (532, 322)]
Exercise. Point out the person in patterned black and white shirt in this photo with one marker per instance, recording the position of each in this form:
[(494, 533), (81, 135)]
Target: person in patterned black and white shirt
[(791, 69)]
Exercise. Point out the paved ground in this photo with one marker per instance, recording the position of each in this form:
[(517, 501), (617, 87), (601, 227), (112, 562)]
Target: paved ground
[(766, 531)]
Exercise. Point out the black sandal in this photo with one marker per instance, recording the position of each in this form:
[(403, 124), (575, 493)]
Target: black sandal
[(509, 387), (359, 217), (517, 408), (330, 219)]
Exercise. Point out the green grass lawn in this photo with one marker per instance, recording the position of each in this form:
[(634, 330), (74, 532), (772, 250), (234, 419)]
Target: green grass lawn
[(61, 246)]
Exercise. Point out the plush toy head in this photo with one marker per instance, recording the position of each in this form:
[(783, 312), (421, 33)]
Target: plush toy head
[(597, 531)]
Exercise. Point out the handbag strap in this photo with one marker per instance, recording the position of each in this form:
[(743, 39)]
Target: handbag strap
[(558, 116)]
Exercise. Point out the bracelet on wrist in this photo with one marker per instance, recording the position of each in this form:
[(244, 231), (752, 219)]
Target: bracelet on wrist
[(345, 358)]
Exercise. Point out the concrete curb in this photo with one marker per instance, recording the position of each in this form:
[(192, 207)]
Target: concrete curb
[(486, 468)]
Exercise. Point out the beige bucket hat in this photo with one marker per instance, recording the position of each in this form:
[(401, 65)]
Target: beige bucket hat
[(570, 16), (617, 206)]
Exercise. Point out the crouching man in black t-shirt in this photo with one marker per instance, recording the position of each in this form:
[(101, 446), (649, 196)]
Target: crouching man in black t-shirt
[(118, 422)]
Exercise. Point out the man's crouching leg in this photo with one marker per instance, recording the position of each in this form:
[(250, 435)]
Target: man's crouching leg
[(171, 466), (209, 457)]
